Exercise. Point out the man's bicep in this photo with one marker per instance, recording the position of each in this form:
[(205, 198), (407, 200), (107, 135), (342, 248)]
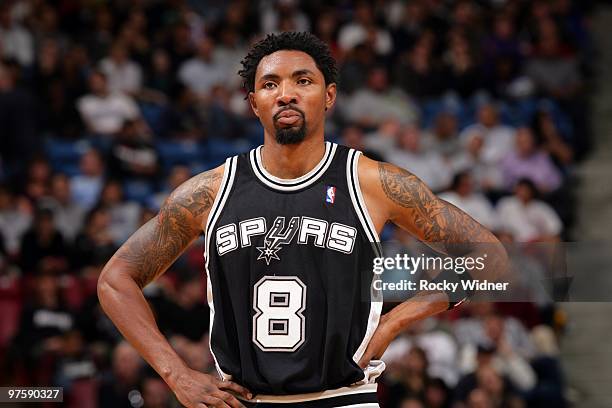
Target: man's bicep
[(158, 243), (415, 208)]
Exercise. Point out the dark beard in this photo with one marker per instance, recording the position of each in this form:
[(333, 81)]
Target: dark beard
[(285, 136)]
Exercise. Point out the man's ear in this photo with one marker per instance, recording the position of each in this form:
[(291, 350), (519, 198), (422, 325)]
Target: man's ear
[(330, 96), (253, 103)]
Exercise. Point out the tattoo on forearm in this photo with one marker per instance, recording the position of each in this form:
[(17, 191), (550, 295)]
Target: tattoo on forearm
[(438, 221), (161, 240)]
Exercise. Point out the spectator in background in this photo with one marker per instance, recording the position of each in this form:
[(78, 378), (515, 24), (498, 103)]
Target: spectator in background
[(15, 219), (326, 29), (385, 138), (45, 24), (178, 175), (531, 162), (42, 246), (85, 187), (103, 111), (184, 120), (276, 12), (498, 139), (94, 245), (437, 394), (202, 72), (428, 166), (159, 76), (20, 138), (369, 107), (353, 73), (47, 68), (123, 75), (155, 393), (462, 74), (184, 313), (438, 344), (228, 54), (443, 137), (16, 41), (100, 37), (411, 402), (132, 155), (549, 137), (37, 182), (409, 20), (502, 44), (463, 196), (67, 214), (44, 321), (124, 215), (133, 35), (487, 388), (471, 329), (363, 29), (417, 73), (115, 386), (75, 362), (179, 45), (353, 137), (411, 378), (55, 91), (487, 176), (526, 217), (499, 350), (553, 69)]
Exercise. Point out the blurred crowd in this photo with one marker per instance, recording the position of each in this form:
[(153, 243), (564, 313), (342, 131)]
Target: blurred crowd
[(106, 107)]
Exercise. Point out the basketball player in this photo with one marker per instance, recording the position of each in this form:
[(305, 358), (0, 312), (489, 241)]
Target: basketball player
[(291, 229)]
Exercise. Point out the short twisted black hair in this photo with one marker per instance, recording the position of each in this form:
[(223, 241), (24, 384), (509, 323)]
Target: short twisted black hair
[(298, 41)]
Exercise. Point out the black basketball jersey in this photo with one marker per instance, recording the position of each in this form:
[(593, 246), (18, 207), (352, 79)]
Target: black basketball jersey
[(289, 266)]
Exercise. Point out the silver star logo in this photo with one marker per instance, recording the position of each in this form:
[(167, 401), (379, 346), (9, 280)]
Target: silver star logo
[(268, 252)]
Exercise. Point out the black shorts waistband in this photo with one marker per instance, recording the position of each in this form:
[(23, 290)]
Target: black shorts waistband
[(362, 396)]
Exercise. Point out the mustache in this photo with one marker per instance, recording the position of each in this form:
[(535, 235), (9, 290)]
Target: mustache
[(286, 108)]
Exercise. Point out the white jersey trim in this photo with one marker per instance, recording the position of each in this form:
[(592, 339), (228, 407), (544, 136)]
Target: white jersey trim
[(361, 210), (229, 173), (313, 396), (291, 184)]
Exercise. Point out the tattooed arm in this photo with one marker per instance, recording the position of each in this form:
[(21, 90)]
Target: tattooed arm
[(146, 255), (394, 194)]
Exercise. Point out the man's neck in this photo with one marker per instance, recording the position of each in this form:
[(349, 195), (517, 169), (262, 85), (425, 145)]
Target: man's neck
[(293, 160)]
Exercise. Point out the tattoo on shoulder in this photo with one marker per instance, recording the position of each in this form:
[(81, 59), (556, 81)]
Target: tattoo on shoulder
[(160, 241), (436, 219)]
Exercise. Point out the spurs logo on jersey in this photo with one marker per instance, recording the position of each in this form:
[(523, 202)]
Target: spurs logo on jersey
[(337, 236)]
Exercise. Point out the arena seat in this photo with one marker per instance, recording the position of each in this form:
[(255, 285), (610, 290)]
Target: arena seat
[(173, 153), (65, 155), (10, 305), (83, 394)]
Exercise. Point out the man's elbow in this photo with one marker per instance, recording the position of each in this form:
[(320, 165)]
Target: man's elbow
[(111, 281), (499, 262)]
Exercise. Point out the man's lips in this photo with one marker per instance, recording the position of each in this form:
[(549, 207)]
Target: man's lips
[(288, 117)]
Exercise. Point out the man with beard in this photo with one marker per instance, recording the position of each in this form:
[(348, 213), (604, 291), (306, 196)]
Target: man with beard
[(291, 233)]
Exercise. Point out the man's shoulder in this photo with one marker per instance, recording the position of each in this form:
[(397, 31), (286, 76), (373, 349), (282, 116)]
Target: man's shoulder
[(197, 194)]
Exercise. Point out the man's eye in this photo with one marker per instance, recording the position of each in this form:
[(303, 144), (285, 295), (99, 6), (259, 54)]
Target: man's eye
[(269, 85), (304, 81)]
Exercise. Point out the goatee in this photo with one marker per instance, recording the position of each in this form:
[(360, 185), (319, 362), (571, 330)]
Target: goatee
[(287, 136), (290, 135)]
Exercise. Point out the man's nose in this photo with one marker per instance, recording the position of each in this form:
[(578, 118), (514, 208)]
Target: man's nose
[(286, 95)]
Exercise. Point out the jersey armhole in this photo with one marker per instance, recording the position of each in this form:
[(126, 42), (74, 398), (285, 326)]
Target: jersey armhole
[(229, 174), (376, 298), (352, 173)]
